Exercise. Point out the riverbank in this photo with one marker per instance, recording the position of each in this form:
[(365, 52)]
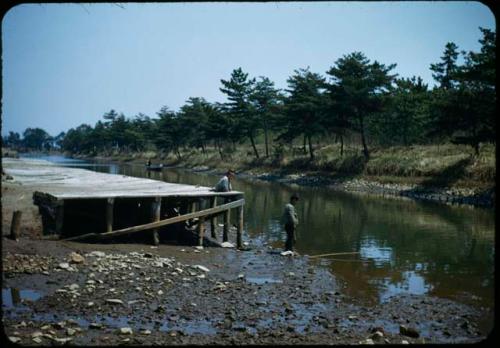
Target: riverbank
[(448, 174), (177, 294)]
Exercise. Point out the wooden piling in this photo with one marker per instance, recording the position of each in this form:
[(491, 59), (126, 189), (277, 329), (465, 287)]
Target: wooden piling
[(201, 230), (110, 203), (213, 220), (156, 209), (239, 226), (15, 225), (227, 218), (59, 217)]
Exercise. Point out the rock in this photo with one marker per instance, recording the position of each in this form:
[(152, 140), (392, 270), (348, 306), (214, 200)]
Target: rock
[(62, 340), (227, 245), (114, 301), (97, 254), (160, 292), (125, 331), (14, 339), (36, 334), (145, 332), (203, 268), (95, 326), (74, 287), (37, 340), (90, 304), (76, 258), (377, 335), (199, 247), (59, 325), (408, 331), (405, 342), (70, 332), (286, 253), (63, 265), (367, 341)]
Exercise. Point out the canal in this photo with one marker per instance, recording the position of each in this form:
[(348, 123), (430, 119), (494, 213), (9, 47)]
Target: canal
[(404, 246)]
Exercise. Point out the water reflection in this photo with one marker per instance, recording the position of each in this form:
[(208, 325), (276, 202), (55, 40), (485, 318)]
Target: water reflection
[(13, 297), (404, 246)]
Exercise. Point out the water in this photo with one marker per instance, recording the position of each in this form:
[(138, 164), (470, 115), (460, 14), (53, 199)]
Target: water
[(405, 246), (14, 298)]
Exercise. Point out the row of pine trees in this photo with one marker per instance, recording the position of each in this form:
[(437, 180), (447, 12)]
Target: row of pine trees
[(356, 96)]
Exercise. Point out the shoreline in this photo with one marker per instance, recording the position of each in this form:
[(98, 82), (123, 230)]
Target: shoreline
[(477, 194)]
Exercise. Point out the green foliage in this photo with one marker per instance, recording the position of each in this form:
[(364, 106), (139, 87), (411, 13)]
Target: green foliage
[(358, 90), (304, 107), (36, 139)]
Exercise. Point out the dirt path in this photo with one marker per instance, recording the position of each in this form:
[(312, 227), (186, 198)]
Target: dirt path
[(173, 294)]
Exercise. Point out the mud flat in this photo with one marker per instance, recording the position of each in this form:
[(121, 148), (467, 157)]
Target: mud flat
[(57, 292)]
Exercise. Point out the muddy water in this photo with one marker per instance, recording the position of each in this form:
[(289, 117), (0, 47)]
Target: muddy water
[(403, 246)]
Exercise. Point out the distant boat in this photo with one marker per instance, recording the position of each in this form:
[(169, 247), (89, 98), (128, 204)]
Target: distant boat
[(154, 166)]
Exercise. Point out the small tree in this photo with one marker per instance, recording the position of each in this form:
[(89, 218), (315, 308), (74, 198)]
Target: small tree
[(360, 88), (265, 99), (304, 107), (246, 122)]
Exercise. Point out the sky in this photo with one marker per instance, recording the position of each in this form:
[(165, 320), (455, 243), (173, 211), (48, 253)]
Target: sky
[(67, 64)]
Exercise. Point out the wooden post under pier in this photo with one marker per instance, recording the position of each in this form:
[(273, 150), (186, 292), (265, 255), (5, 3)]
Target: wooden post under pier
[(156, 210), (59, 217), (239, 227), (225, 232), (213, 220), (110, 202)]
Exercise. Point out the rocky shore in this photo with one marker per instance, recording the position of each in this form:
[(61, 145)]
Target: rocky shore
[(451, 195), (135, 294)]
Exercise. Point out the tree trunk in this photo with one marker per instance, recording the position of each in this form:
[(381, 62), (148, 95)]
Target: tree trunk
[(341, 146), (266, 140), (218, 147), (253, 145), (304, 145), (311, 154), (363, 140)]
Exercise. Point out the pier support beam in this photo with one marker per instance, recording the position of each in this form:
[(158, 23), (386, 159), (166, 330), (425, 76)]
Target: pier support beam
[(213, 220), (110, 203), (59, 217), (227, 218), (156, 209), (239, 226), (201, 230)]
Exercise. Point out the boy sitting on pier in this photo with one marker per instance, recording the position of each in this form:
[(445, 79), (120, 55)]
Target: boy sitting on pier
[(224, 184)]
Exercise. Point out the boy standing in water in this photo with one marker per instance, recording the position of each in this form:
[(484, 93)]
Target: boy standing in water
[(290, 221)]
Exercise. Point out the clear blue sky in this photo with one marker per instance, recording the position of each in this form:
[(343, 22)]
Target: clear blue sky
[(68, 64)]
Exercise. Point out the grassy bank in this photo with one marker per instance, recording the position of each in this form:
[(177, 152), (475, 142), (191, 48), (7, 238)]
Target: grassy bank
[(434, 165)]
